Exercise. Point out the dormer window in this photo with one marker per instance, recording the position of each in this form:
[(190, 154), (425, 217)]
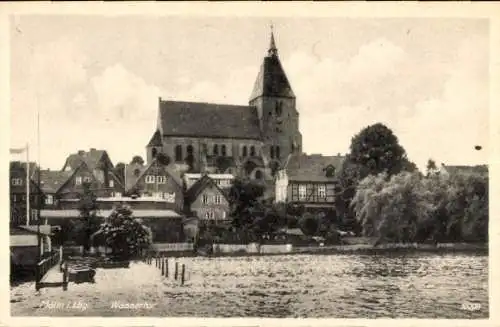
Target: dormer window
[(278, 109), (330, 171)]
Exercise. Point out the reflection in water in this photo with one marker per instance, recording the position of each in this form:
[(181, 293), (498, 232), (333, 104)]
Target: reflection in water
[(340, 286)]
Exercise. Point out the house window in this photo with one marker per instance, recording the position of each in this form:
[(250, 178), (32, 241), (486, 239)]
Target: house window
[(87, 179), (161, 179), (223, 150), (17, 181), (111, 183), (157, 195), (322, 191), (14, 198), (216, 150), (78, 180), (209, 215), (34, 214), (302, 192), (245, 151), (49, 199), (137, 172), (272, 152), (150, 179), (217, 199), (278, 152), (169, 197), (204, 199), (178, 153), (116, 195), (223, 215), (189, 149), (258, 174), (252, 151)]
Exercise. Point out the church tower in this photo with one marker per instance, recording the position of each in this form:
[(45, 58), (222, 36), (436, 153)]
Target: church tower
[(274, 99)]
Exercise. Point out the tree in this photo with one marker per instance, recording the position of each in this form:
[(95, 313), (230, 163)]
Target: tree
[(431, 167), (137, 160), (120, 171), (163, 159), (374, 150), (123, 233), (89, 221)]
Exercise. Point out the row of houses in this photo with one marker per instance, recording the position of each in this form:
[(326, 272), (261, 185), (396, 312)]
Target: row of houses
[(160, 194)]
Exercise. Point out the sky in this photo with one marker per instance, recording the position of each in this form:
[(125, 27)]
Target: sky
[(96, 79)]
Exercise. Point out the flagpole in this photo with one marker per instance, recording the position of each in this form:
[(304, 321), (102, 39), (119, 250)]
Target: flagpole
[(28, 182)]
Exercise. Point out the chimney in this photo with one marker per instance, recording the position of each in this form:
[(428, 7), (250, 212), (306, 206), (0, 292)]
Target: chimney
[(81, 152)]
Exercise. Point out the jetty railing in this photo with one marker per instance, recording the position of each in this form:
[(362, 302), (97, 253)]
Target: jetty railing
[(45, 265)]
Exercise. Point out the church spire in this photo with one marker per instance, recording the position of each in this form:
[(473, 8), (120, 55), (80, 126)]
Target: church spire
[(273, 51)]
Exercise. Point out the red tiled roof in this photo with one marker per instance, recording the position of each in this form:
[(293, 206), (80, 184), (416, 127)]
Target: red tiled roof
[(311, 168), (131, 177), (51, 181), (272, 80), (208, 120), (91, 158), (479, 169)]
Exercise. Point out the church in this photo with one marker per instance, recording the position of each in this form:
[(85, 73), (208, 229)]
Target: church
[(250, 141)]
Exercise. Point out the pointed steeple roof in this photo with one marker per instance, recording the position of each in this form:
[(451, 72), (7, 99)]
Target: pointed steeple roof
[(272, 80), (155, 140)]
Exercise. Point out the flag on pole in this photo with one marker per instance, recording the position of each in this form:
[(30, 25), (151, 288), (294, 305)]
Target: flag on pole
[(17, 150)]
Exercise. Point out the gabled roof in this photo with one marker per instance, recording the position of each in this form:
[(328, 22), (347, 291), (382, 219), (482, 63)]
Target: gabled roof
[(52, 180), (155, 139), (91, 158), (272, 80), (199, 186), (131, 177), (208, 120), (479, 169), (311, 168)]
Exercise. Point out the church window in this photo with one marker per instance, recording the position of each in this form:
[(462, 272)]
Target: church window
[(189, 149), (272, 152), (277, 152), (216, 150), (178, 153), (223, 150), (137, 172), (252, 151), (154, 152), (245, 153), (278, 109)]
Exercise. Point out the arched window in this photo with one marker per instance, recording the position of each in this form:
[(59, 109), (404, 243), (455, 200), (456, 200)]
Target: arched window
[(178, 153), (258, 174), (245, 153), (252, 151), (189, 149), (277, 152), (223, 150), (216, 150), (272, 152), (278, 108), (137, 172), (154, 152)]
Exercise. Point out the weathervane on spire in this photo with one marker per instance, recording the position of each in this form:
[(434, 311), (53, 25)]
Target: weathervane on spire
[(273, 51)]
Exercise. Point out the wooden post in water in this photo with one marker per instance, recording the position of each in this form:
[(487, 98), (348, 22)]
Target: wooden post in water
[(166, 267), (176, 270), (65, 277), (162, 266), (182, 274), (37, 277)]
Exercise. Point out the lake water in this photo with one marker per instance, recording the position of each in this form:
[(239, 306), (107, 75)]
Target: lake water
[(309, 286)]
